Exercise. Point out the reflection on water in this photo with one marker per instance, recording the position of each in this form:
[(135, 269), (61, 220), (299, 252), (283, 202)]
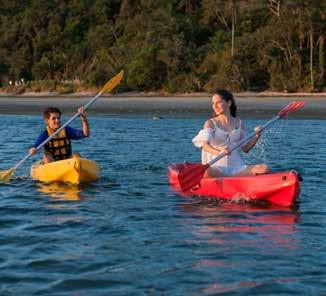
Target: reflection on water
[(238, 233), (242, 286), (270, 224), (60, 191)]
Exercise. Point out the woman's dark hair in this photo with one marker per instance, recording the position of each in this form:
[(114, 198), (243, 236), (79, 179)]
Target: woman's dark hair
[(227, 97), (47, 112)]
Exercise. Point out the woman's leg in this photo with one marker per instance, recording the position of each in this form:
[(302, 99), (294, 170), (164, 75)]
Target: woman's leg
[(257, 169), (213, 172)]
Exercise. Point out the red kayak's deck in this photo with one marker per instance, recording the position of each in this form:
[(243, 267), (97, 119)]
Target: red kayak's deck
[(277, 188)]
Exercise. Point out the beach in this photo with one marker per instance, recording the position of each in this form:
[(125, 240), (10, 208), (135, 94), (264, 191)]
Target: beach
[(249, 104)]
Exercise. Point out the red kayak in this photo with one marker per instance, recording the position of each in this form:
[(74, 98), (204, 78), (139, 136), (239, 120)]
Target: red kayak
[(277, 188)]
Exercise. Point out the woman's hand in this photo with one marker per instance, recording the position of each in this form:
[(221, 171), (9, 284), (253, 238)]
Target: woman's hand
[(216, 150), (224, 150), (258, 130)]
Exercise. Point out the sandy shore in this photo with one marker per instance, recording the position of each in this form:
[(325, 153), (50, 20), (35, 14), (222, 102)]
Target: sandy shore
[(249, 104)]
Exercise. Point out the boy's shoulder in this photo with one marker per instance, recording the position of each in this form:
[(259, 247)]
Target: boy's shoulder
[(74, 133), (69, 129), (43, 132)]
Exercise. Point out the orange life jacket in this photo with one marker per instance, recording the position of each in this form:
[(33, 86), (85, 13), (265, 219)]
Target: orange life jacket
[(59, 147)]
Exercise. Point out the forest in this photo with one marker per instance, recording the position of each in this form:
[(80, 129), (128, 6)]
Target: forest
[(172, 46)]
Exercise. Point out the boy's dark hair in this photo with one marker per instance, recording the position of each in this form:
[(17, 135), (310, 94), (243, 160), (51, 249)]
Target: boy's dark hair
[(47, 112)]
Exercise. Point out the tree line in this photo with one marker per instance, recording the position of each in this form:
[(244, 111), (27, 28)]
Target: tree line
[(164, 45)]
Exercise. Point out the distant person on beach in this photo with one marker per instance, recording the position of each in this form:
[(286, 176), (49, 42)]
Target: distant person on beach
[(222, 132), (60, 146)]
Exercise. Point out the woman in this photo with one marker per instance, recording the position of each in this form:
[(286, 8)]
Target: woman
[(220, 134)]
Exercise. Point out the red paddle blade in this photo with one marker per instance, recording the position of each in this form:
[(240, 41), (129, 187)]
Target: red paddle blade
[(191, 175), (291, 107)]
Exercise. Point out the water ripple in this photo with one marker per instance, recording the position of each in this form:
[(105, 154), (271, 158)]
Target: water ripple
[(128, 234)]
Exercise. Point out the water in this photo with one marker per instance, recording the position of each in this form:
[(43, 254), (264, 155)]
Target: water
[(127, 234)]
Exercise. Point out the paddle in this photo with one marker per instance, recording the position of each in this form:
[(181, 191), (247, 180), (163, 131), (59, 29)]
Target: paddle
[(6, 175), (191, 174)]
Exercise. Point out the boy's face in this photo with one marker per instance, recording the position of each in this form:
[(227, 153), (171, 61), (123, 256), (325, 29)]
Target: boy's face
[(54, 121)]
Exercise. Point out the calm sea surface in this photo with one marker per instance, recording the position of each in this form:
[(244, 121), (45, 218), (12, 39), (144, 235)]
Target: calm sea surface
[(127, 234)]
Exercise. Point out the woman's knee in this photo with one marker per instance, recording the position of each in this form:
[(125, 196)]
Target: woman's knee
[(261, 169)]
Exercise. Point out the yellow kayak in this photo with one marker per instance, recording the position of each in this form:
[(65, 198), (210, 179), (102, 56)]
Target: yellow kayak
[(74, 170)]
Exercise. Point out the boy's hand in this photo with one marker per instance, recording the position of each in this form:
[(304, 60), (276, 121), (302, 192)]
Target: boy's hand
[(82, 113), (84, 122), (32, 151)]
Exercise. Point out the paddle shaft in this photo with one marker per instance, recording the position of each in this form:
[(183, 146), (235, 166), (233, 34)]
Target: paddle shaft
[(244, 141), (58, 130)]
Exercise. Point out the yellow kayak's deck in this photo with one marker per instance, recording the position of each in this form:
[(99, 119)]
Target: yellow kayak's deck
[(74, 170)]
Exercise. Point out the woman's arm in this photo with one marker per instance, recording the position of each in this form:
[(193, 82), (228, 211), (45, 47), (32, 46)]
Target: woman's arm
[(251, 144), (209, 148), (217, 151)]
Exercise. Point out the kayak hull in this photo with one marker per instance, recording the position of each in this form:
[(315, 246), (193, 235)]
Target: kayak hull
[(277, 188), (74, 170)]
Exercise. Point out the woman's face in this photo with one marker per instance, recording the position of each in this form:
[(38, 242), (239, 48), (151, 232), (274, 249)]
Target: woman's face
[(219, 105), (54, 121)]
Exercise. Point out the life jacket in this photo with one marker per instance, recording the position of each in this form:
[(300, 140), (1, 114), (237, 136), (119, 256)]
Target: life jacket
[(59, 147)]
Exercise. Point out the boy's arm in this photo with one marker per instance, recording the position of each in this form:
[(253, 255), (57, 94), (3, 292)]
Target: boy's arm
[(84, 121), (40, 139), (74, 134)]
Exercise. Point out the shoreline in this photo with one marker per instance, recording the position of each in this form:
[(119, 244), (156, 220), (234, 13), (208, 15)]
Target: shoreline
[(161, 94), (250, 106)]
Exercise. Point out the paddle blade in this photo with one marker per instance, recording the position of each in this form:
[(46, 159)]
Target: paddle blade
[(291, 107), (5, 176), (112, 83), (191, 175)]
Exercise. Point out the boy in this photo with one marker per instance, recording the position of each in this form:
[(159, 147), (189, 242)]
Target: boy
[(60, 146)]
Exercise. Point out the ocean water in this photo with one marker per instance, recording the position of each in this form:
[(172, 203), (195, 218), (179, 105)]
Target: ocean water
[(128, 234)]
